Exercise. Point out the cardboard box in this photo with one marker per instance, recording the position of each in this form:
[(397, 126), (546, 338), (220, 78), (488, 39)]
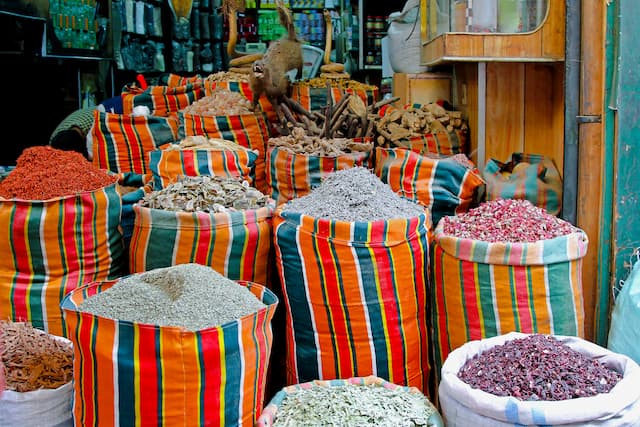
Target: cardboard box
[(421, 88)]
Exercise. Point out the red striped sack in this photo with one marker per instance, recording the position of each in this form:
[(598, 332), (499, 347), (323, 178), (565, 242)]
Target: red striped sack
[(445, 186), (122, 143), (247, 130), (482, 289), (355, 295), (163, 101), (235, 244), (167, 165), (291, 175), (50, 247), (130, 374), (174, 80)]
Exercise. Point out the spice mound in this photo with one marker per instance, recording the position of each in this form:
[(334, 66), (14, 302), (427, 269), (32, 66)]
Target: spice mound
[(301, 143), (351, 195), (33, 359), (204, 193), (190, 296), (43, 173), (507, 221), (221, 102), (353, 405), (538, 367)]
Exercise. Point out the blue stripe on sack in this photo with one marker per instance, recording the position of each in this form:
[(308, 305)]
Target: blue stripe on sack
[(162, 238), (238, 241), (116, 243), (126, 374), (159, 369), (370, 289), (292, 268), (272, 170), (314, 171), (561, 299), (325, 302), (511, 411), (233, 365), (37, 280)]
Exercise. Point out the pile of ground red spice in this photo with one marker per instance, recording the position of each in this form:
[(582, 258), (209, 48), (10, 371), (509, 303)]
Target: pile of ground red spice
[(43, 173)]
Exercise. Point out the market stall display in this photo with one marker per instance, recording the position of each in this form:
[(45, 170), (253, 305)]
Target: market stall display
[(162, 101), (154, 346), (505, 266), (62, 217), (211, 220), (538, 379), (352, 258)]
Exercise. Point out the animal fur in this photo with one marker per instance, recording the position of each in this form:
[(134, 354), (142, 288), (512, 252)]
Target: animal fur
[(269, 74)]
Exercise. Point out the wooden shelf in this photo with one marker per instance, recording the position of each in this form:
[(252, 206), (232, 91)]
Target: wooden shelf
[(545, 44)]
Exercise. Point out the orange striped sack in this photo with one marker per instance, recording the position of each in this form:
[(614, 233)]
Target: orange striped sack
[(536, 179), (355, 295), (445, 186), (128, 373), (174, 80), (236, 244), (247, 130), (245, 89), (291, 175), (122, 142), (50, 247), (314, 98), (167, 165), (482, 289), (163, 101)]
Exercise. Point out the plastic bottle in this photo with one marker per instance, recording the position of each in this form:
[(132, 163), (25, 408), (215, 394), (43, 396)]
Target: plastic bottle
[(158, 60)]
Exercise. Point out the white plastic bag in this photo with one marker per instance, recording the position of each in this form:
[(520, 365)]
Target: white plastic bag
[(404, 39), (624, 334), (465, 406)]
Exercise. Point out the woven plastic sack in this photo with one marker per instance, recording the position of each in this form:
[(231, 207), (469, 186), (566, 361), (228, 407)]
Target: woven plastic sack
[(314, 98), (624, 335), (53, 246), (445, 186), (235, 244), (291, 175), (539, 181), (128, 373), (247, 130), (163, 101), (244, 88), (483, 289), (355, 295), (464, 406), (167, 165), (38, 408), (122, 143), (270, 413)]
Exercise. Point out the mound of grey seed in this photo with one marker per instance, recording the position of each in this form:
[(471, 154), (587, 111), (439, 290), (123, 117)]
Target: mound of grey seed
[(351, 195), (191, 296)]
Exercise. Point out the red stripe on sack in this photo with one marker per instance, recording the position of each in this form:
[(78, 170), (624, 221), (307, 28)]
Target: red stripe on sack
[(149, 361), (441, 309), (23, 263), (211, 370), (203, 244), (471, 303), (189, 162), (251, 245), (523, 298)]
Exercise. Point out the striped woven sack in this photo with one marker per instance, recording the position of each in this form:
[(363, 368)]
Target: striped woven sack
[(291, 175), (483, 289), (122, 142), (163, 101), (131, 374), (245, 89), (314, 98), (355, 295), (167, 165), (269, 416), (50, 247), (445, 186), (247, 130), (175, 80), (535, 178), (235, 244)]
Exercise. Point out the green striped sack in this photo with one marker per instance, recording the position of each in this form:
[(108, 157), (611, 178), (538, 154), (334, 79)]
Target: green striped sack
[(247, 130), (445, 186), (482, 289), (539, 182), (355, 295), (235, 244), (167, 165), (133, 374), (50, 247), (163, 101)]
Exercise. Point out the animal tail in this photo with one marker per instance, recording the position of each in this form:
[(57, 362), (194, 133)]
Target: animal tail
[(286, 20)]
